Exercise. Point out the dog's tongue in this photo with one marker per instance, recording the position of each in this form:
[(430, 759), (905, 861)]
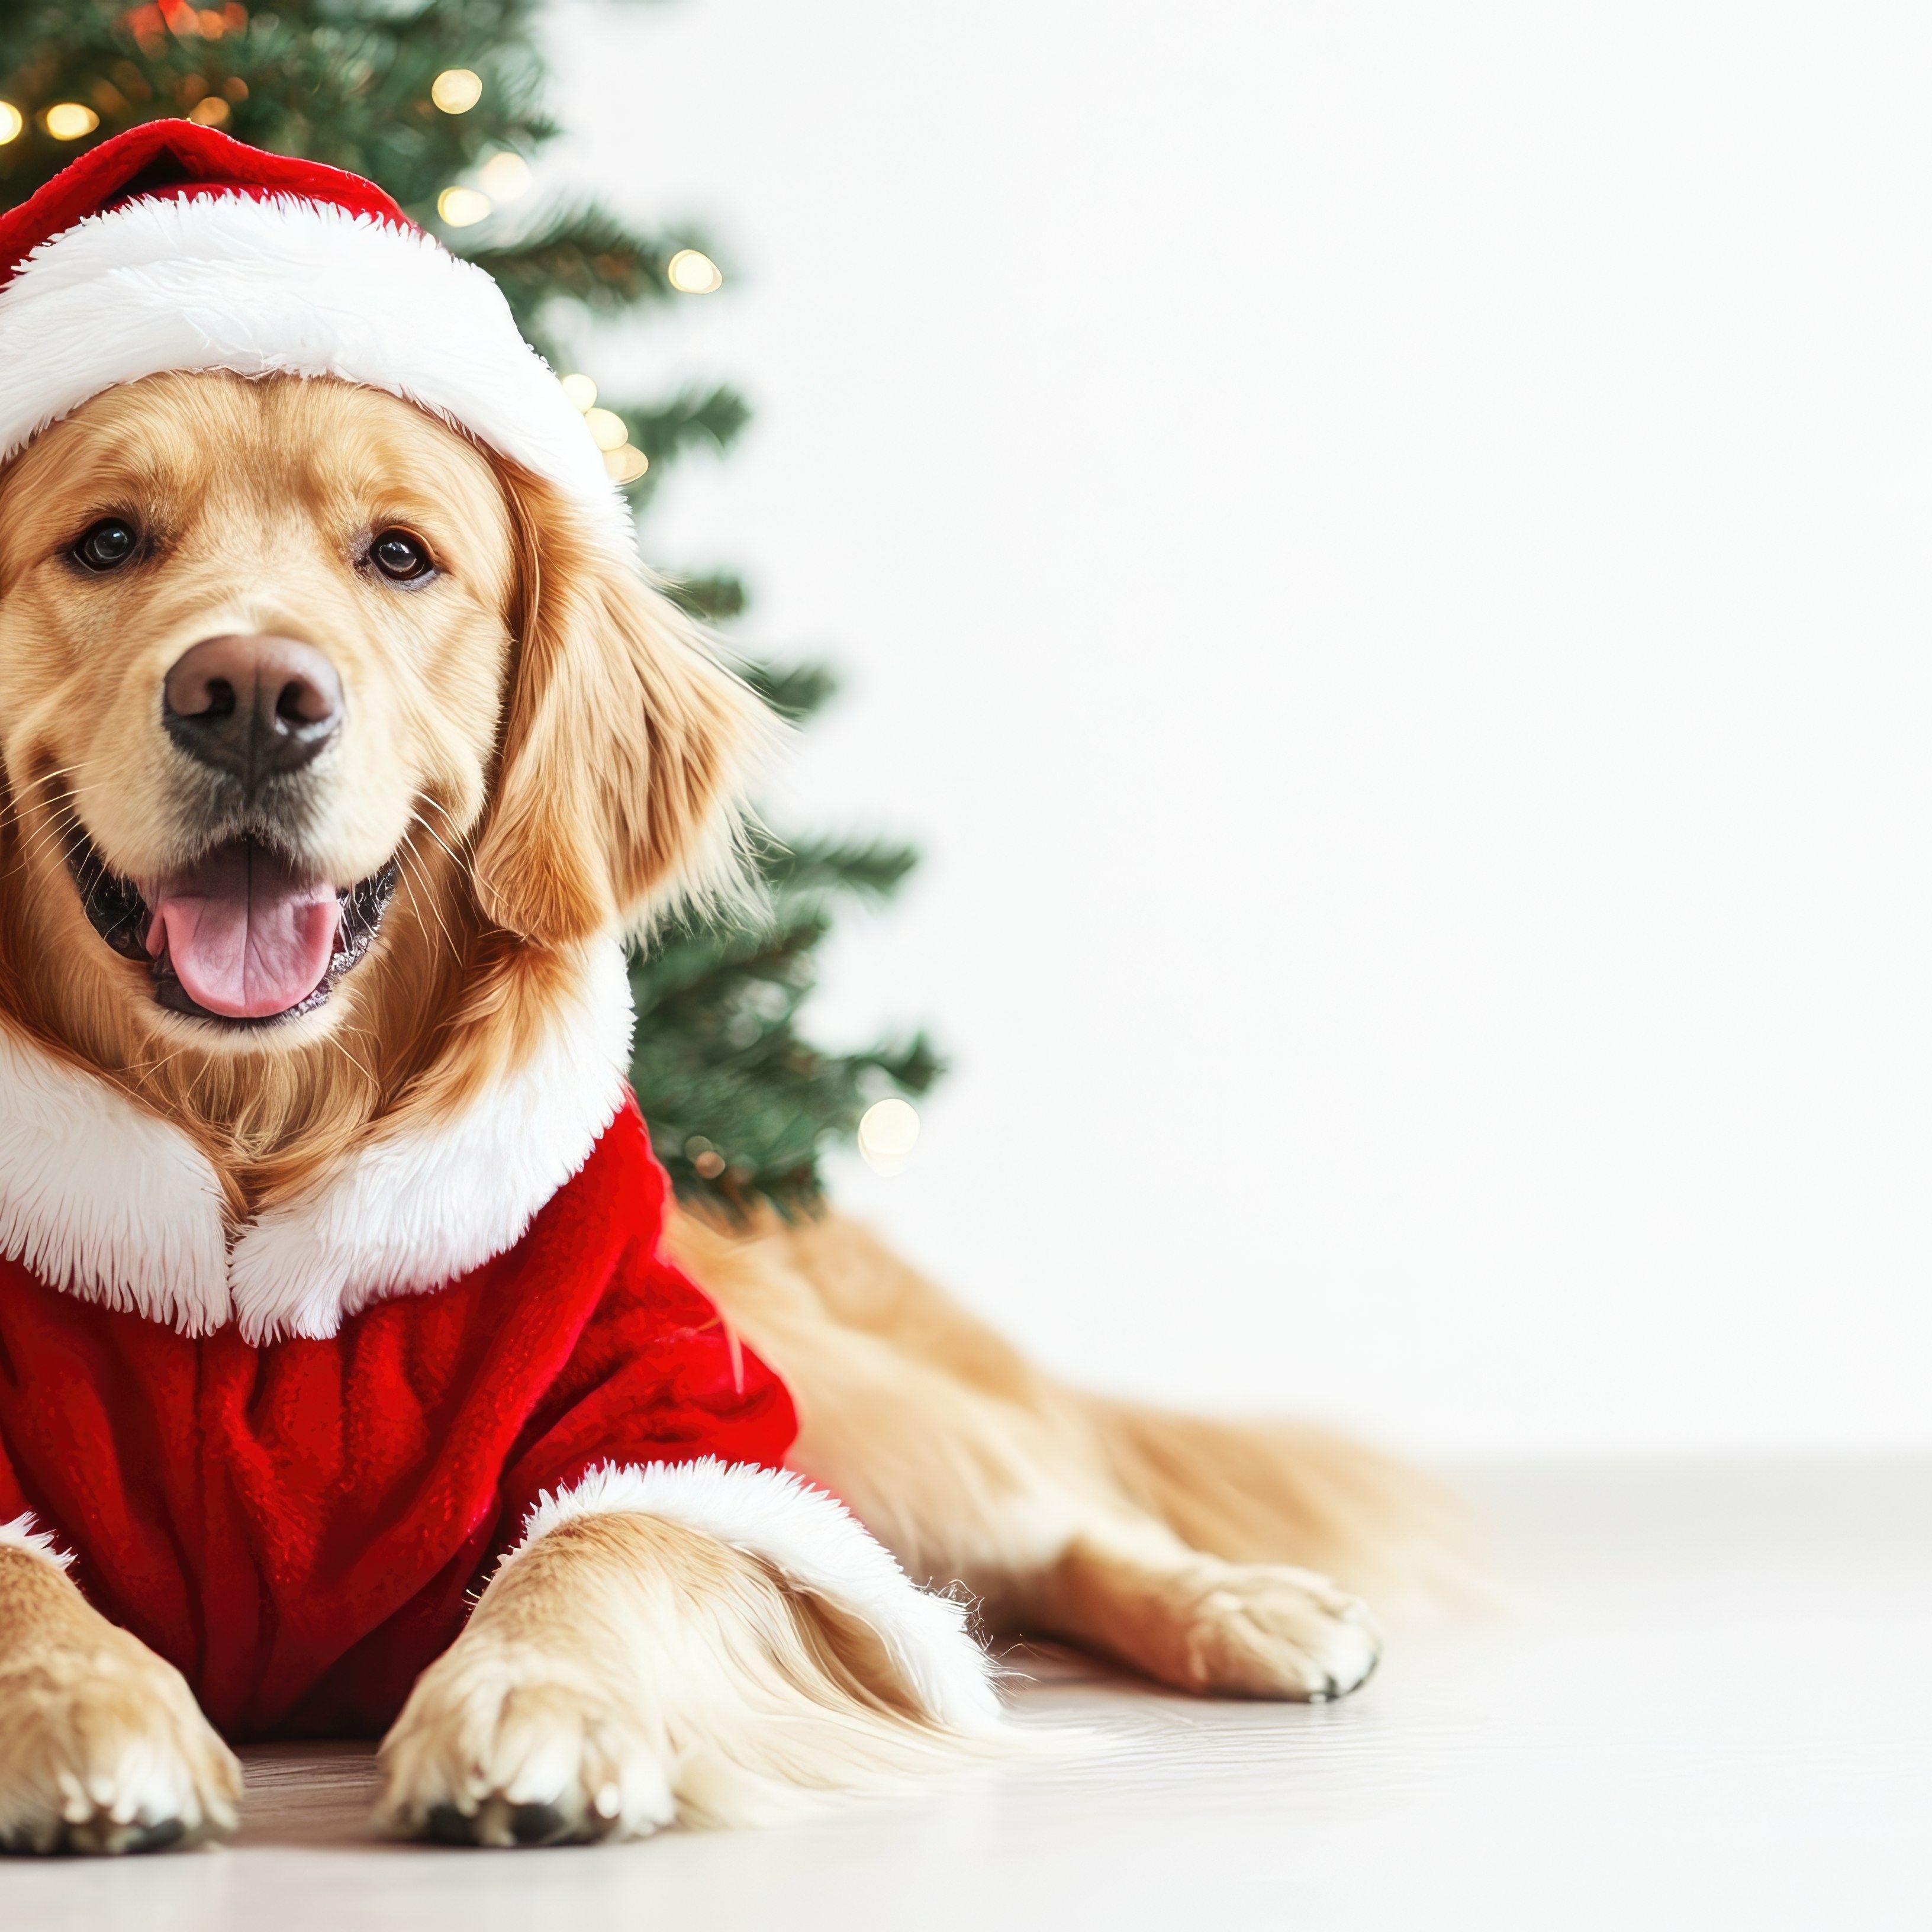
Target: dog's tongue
[(247, 937)]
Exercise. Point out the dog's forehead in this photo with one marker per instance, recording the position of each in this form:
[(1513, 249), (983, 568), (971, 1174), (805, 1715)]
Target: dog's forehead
[(186, 442)]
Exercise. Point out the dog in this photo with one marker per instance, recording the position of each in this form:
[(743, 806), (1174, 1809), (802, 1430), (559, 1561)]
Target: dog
[(495, 751)]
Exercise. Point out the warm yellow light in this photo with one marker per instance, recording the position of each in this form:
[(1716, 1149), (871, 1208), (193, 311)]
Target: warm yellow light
[(691, 274), (505, 176), (456, 90), (210, 111), (460, 207), (11, 122), (581, 391), (625, 465), (888, 1131), (68, 120), (607, 428)]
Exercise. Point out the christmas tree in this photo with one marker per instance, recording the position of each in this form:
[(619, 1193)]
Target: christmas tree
[(442, 103)]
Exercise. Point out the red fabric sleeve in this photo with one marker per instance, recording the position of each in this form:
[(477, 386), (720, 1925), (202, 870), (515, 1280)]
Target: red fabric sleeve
[(656, 1375)]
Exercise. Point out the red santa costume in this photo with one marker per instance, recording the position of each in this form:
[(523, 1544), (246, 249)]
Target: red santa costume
[(285, 1455)]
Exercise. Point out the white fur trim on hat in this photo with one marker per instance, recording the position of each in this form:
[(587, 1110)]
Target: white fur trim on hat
[(100, 1197), (815, 1543), (286, 286)]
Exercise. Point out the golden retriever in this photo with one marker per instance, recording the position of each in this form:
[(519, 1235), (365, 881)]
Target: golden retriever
[(505, 748)]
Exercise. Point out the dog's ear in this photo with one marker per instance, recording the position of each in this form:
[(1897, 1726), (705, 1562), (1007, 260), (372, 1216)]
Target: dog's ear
[(626, 746)]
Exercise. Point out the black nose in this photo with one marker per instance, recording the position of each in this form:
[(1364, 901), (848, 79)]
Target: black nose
[(254, 707)]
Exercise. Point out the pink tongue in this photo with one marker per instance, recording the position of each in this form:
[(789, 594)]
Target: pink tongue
[(246, 937)]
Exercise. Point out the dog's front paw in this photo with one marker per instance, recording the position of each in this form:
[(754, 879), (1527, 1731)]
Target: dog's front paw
[(102, 1749), (500, 1744)]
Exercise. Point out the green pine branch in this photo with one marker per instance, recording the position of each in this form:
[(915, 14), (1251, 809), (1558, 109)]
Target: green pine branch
[(795, 691), (693, 418), (716, 596), (871, 869), (742, 1106), (586, 255)]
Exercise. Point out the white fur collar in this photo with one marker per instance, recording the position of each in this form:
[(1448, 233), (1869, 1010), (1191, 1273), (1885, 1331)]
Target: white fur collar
[(104, 1200)]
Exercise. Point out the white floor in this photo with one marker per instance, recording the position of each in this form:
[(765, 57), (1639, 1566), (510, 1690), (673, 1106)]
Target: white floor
[(1709, 1706)]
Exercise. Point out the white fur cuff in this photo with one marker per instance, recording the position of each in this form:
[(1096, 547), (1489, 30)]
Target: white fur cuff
[(818, 1546), (20, 1534)]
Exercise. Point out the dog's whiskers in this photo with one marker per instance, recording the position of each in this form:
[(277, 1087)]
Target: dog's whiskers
[(436, 911), (62, 821), (416, 818)]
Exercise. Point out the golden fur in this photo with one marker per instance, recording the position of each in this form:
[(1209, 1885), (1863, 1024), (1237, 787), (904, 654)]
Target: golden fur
[(553, 755)]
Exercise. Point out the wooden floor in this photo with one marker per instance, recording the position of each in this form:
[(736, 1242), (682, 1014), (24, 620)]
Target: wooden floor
[(1708, 1705)]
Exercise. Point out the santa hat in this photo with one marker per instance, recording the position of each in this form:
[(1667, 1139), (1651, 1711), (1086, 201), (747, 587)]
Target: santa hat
[(171, 246)]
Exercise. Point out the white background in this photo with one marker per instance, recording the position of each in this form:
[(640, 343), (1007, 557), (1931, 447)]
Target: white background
[(1382, 549)]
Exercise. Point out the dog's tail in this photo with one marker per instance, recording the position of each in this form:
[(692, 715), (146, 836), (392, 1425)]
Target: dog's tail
[(1280, 1492)]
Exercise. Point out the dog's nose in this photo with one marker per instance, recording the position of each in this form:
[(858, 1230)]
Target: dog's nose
[(254, 707)]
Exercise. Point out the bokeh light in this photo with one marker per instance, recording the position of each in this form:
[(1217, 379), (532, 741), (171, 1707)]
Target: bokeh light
[(505, 176), (888, 1133), (68, 120), (462, 207), (691, 274), (456, 90), (607, 428)]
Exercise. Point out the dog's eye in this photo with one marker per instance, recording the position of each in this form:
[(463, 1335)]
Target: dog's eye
[(399, 556), (108, 545)]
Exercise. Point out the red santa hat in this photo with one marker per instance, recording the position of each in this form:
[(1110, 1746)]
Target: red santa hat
[(172, 246)]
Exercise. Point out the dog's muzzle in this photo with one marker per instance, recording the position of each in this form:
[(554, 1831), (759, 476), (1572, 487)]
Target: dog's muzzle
[(198, 916)]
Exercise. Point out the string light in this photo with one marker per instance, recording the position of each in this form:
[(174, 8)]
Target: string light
[(607, 428), (456, 90), (11, 122), (505, 176), (462, 207), (210, 111), (691, 274), (68, 120), (625, 465), (888, 1131)]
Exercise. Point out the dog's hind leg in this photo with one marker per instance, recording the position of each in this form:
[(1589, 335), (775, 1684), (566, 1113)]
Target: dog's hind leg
[(1196, 1552)]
